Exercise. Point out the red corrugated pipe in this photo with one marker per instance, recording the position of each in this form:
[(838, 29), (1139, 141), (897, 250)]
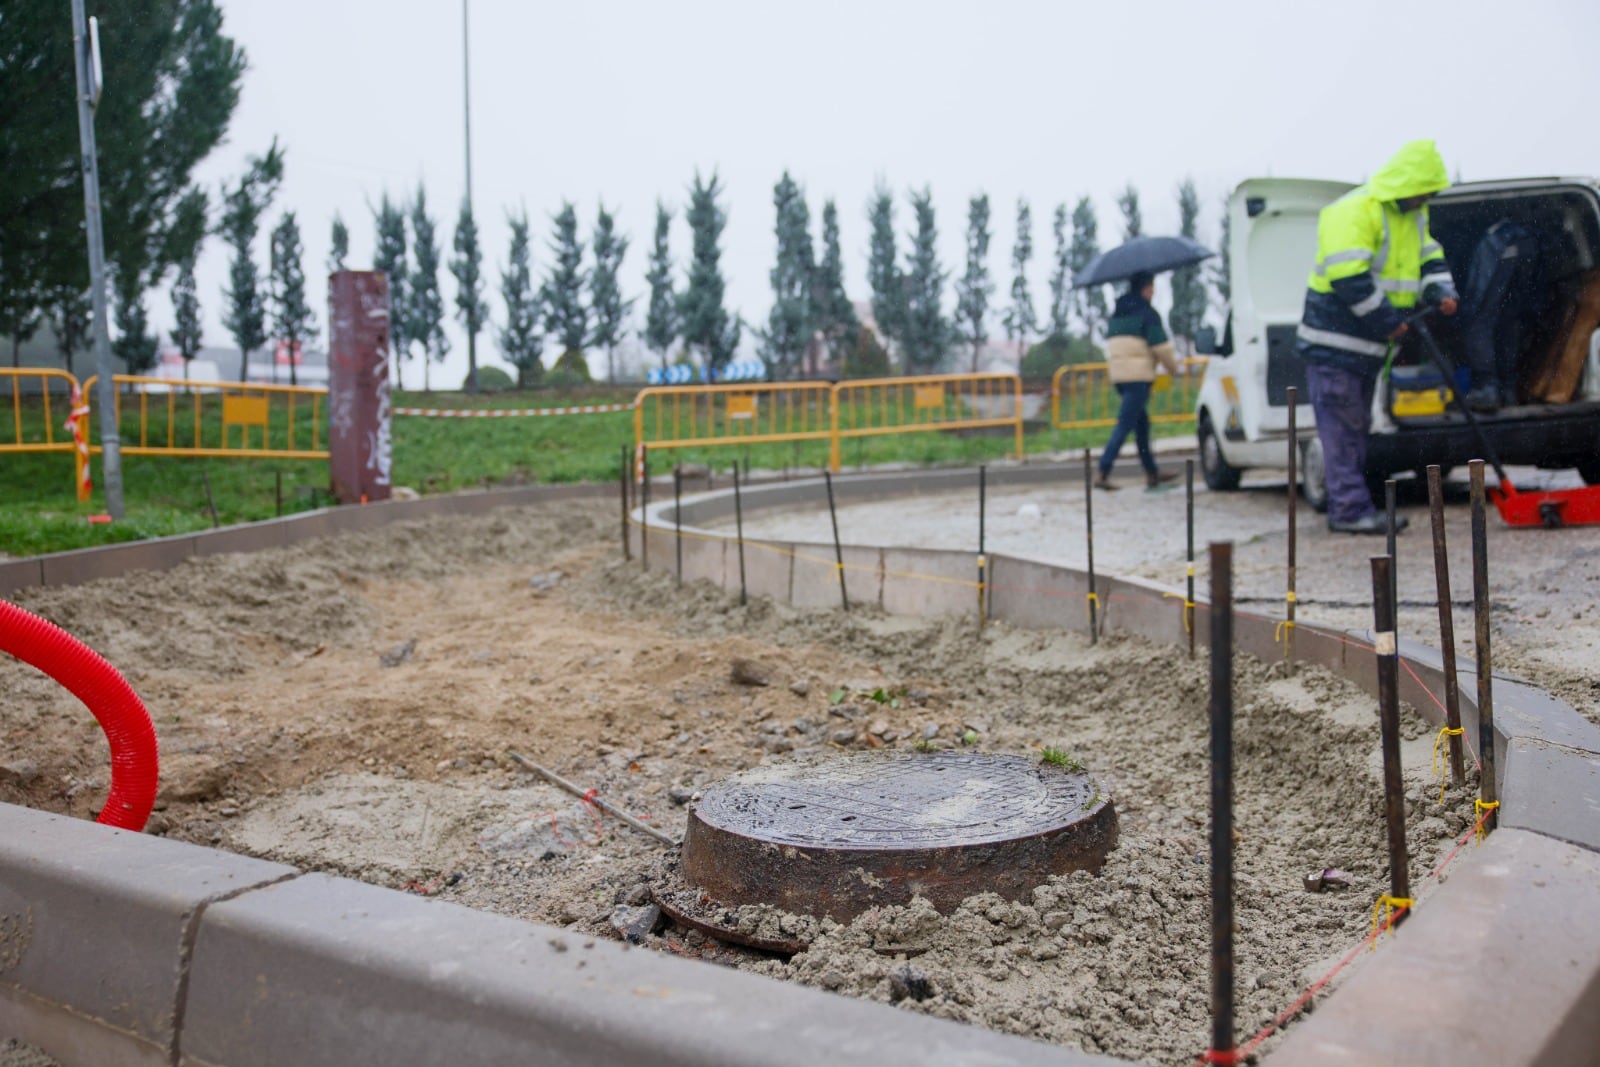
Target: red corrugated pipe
[(135, 756)]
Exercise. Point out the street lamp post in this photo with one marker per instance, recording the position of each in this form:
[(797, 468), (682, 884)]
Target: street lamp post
[(88, 96)]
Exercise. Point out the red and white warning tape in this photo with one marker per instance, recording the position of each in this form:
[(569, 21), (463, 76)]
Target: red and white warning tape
[(497, 413)]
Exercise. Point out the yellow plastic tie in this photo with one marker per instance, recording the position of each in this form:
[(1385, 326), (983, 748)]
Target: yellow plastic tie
[(1283, 627), (1191, 570), (1388, 906), (1444, 731), (1479, 808), (1289, 596), (1090, 605)]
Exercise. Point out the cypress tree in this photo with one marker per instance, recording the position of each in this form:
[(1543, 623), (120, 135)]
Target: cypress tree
[(562, 292), (186, 328), (661, 320), (975, 287), (791, 324), (835, 316), (245, 310), (467, 266), (521, 342), (707, 326), (390, 257), (1020, 321), (1188, 286), (340, 246), (134, 344), (605, 289), (1222, 270), (1061, 295), (883, 270), (1132, 220), (69, 309), (1090, 302), (292, 318), (425, 313), (927, 333)]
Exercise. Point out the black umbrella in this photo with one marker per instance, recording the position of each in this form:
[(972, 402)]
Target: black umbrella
[(1147, 255)]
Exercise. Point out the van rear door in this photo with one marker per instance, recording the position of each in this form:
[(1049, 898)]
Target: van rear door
[(1273, 245)]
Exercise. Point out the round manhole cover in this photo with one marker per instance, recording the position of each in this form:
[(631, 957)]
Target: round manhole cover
[(837, 835)]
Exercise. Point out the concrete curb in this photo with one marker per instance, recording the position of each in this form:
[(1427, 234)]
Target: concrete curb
[(119, 948)]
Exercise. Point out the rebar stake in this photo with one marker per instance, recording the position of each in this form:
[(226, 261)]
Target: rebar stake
[(838, 550), (1488, 788), (1394, 799), (738, 519), (1088, 528), (1447, 624), (1221, 708)]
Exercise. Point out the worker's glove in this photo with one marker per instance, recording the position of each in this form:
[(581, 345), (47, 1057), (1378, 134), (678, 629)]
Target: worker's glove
[(1448, 305), (1400, 331)]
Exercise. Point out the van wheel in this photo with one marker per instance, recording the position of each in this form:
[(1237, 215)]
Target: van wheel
[(1220, 475), (1313, 476)]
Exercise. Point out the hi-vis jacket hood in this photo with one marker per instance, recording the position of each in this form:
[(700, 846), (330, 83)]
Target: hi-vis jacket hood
[(1415, 170)]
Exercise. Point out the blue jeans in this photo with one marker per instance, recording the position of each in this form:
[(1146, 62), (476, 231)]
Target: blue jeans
[(1131, 418), (1342, 401)]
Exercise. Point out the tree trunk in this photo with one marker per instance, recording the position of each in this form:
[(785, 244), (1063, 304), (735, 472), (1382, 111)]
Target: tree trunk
[(16, 352), (427, 384), (399, 377), (244, 365), (294, 379)]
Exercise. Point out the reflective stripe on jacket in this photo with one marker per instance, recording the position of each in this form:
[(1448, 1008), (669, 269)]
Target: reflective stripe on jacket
[(1374, 261)]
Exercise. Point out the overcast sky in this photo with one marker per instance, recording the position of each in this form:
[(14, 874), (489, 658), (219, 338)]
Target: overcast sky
[(621, 102)]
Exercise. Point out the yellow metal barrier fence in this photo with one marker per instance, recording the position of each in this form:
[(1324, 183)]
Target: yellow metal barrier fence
[(236, 419), (1082, 396), (698, 416), (43, 414)]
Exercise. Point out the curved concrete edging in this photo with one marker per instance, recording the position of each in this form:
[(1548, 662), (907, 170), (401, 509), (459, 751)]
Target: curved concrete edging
[(116, 947), (1506, 954)]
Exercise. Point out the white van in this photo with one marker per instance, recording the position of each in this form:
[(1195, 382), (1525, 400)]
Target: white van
[(1242, 407)]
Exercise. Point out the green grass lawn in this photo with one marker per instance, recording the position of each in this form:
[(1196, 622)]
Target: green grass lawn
[(39, 511)]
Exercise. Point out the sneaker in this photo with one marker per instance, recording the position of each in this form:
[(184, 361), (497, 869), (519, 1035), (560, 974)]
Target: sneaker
[(1484, 398), (1158, 478), (1104, 482), (1370, 523)]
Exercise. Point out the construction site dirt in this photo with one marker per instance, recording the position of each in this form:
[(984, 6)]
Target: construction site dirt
[(348, 705)]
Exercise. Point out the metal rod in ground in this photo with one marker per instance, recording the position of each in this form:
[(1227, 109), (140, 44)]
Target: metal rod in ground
[(983, 562), (1394, 798), (738, 520), (644, 506), (277, 486), (677, 516), (1221, 708), (1188, 520), (1088, 529), (1294, 496), (1488, 788), (838, 550), (588, 797), (1447, 624), (622, 479), (211, 503), (1392, 530)]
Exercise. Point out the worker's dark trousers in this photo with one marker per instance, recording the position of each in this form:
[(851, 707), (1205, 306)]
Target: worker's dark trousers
[(1493, 335), (1342, 401), (1132, 417)]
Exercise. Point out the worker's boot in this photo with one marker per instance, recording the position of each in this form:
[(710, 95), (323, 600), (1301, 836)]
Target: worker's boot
[(1104, 482), (1157, 478), (1484, 399)]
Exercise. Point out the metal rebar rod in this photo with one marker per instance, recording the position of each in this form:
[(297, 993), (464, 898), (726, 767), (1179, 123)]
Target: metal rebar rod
[(1392, 530), (738, 519), (1447, 625), (838, 550), (677, 516), (588, 796), (1488, 788), (1221, 710), (1188, 601), (1088, 529), (1294, 494), (1394, 800), (622, 481), (983, 562), (644, 510)]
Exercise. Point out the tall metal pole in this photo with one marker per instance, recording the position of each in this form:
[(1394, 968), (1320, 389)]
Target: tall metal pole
[(110, 442), (1221, 707), (466, 103)]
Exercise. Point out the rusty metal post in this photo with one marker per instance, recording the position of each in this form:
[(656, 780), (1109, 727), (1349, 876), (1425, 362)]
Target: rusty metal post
[(983, 563), (277, 489), (1294, 495), (1392, 530), (1488, 788), (838, 550), (644, 510), (1221, 709), (1088, 528), (1394, 799), (738, 520), (677, 517), (1188, 600), (1447, 624), (359, 457), (622, 480)]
